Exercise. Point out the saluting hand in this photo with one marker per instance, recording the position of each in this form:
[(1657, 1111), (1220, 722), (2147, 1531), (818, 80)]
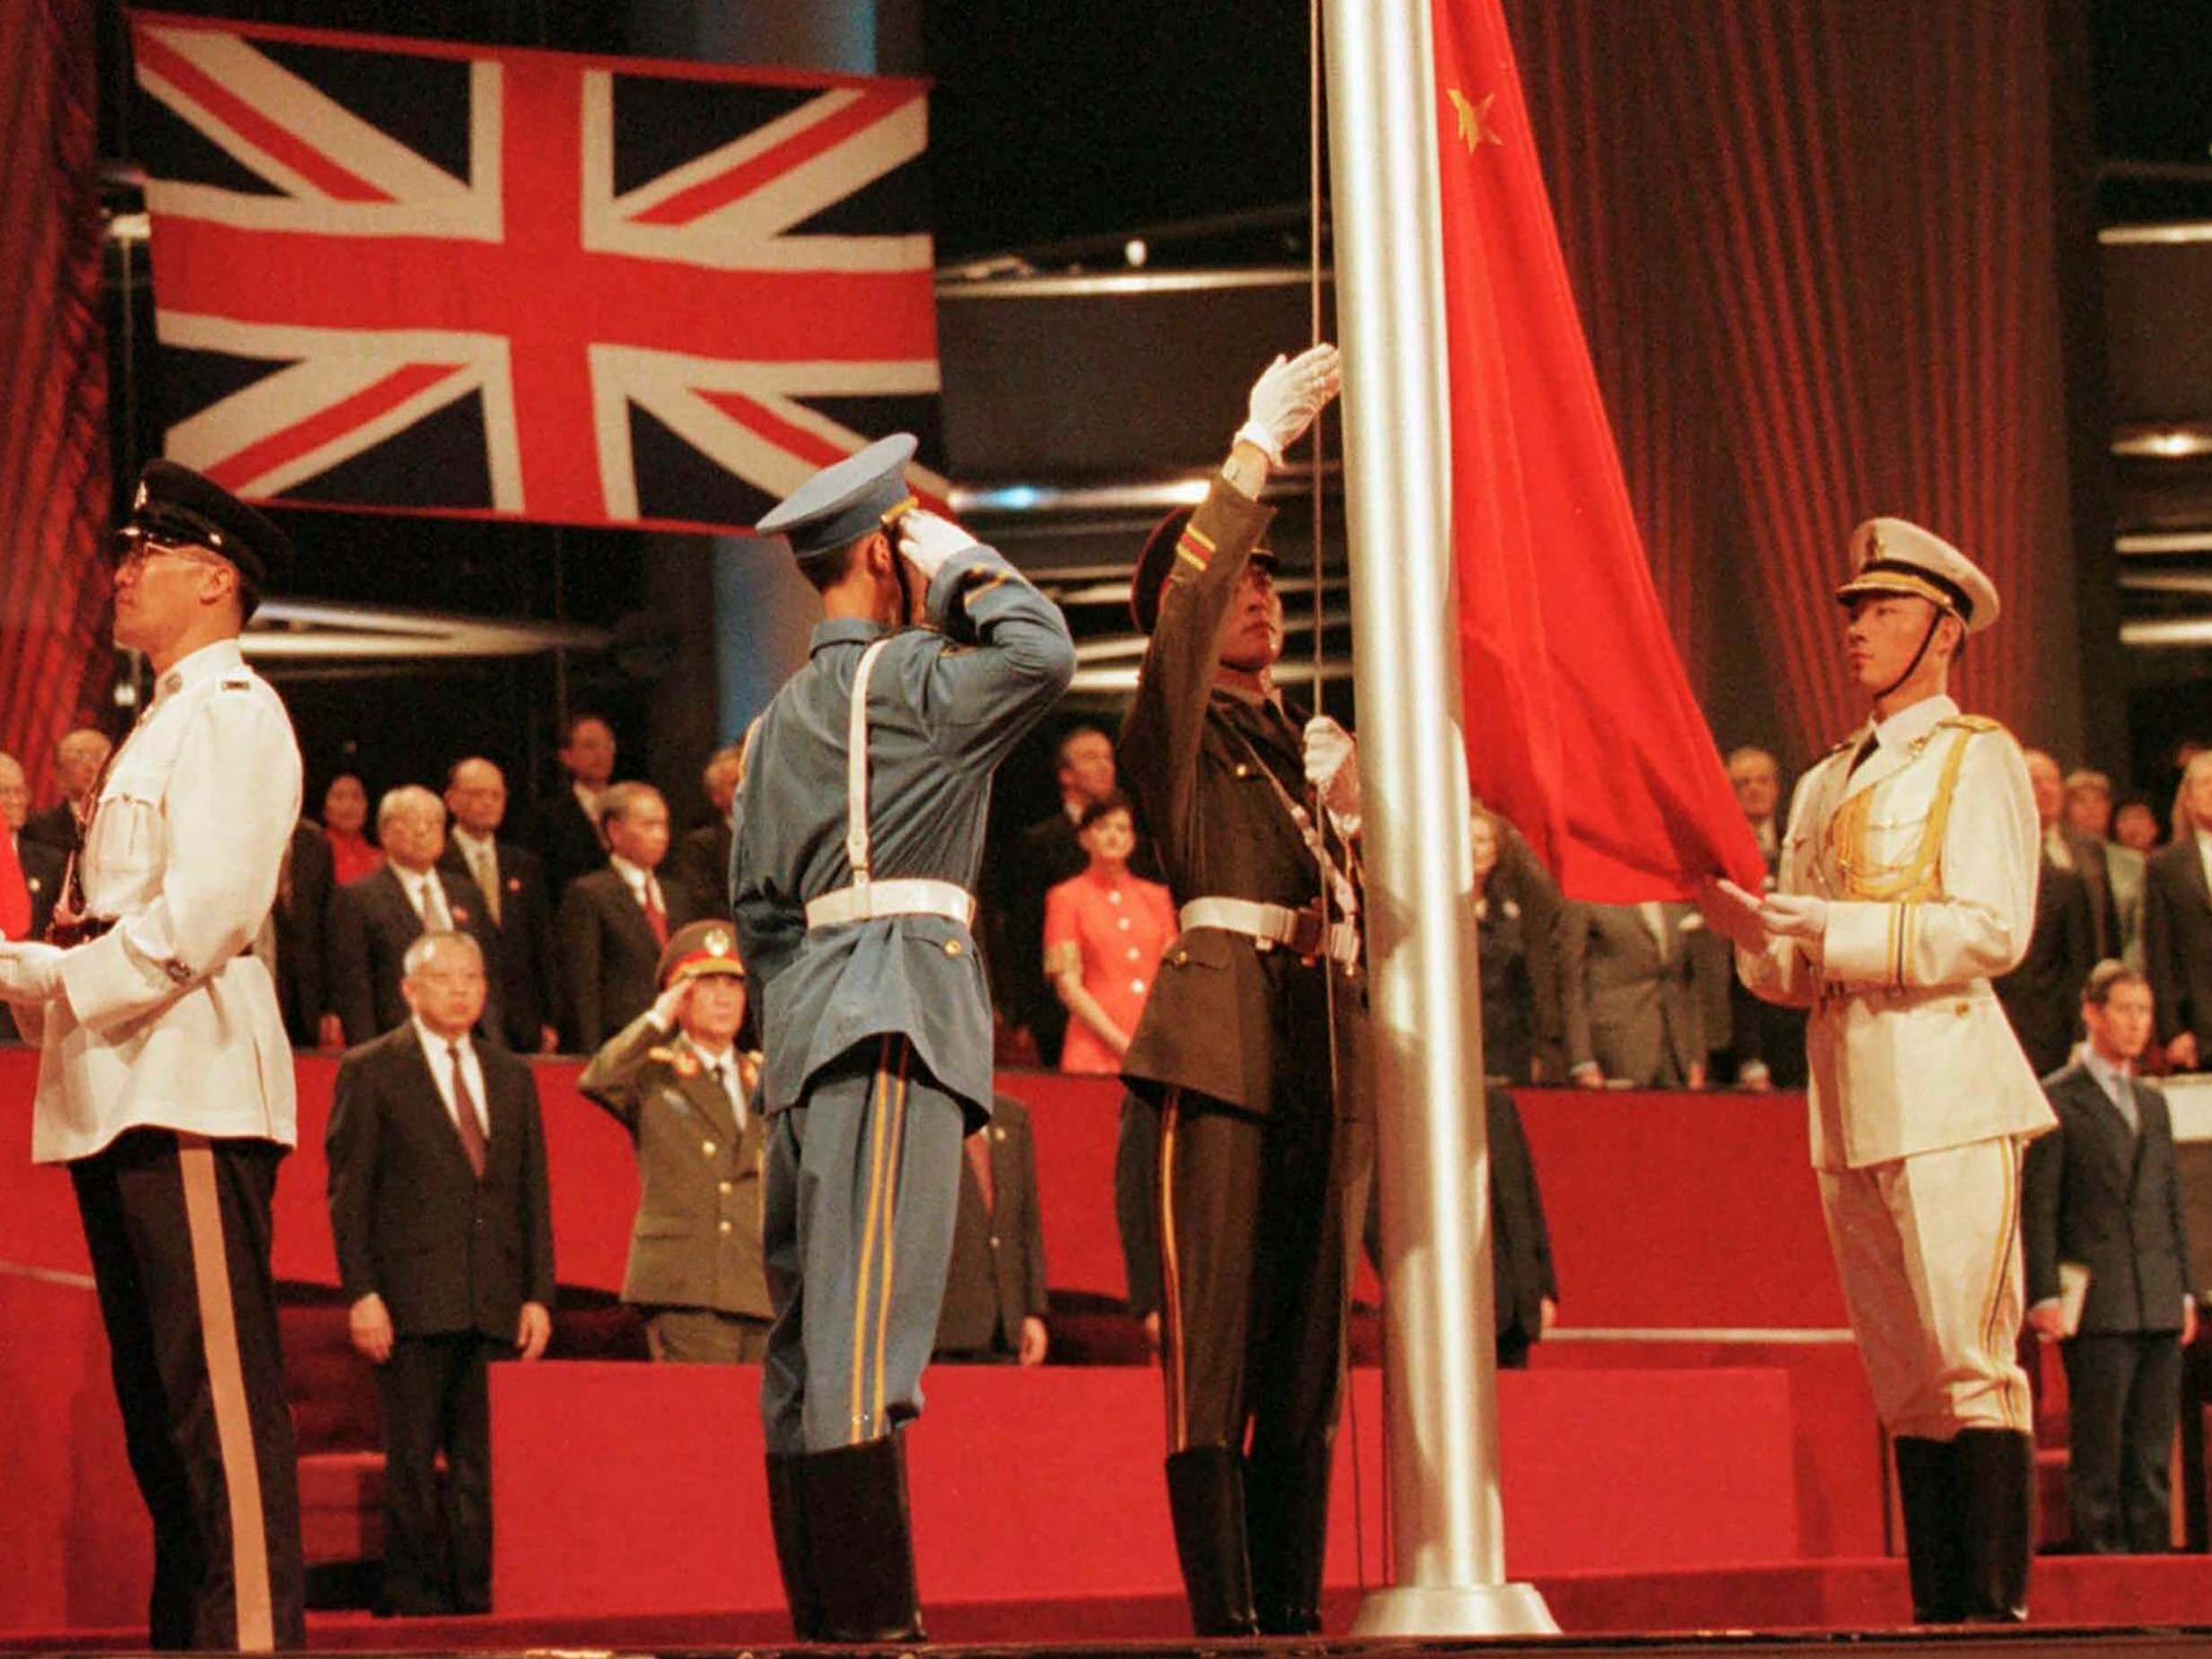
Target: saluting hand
[(1289, 395), (929, 542)]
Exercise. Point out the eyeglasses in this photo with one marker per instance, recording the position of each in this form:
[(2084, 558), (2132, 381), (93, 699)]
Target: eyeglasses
[(134, 548)]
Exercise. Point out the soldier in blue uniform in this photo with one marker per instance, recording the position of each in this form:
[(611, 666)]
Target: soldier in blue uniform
[(858, 831)]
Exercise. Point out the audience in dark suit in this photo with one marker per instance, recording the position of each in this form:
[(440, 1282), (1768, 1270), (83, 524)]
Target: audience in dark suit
[(374, 920), (568, 827), (616, 922), (1629, 976), (995, 1305), (79, 759), (518, 907), (41, 866), (2043, 995), (2069, 850), (1526, 1287), (298, 935), (2101, 1193), (440, 1207), (1766, 1041), (2177, 924), (1508, 987), (701, 859)]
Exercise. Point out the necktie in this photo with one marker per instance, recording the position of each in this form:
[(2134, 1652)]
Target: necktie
[(465, 1113), (488, 877), (656, 918), (979, 1160)]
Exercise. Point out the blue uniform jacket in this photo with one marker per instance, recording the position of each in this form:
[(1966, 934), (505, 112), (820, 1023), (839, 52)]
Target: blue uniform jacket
[(943, 709)]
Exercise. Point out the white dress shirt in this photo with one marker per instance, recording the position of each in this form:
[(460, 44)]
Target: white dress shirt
[(643, 886), (439, 1052)]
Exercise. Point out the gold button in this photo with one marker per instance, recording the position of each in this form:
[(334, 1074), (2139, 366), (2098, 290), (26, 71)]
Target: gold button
[(1137, 985), (1243, 771), (1182, 958), (725, 1226), (952, 948), (707, 1147), (727, 1187)]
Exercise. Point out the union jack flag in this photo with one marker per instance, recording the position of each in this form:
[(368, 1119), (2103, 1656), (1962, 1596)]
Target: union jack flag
[(455, 279)]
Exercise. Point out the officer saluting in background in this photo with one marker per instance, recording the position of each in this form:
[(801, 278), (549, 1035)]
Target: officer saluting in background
[(165, 1078), (858, 830)]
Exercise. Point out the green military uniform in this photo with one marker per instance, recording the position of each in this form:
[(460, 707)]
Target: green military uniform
[(1256, 1154), (695, 1248)]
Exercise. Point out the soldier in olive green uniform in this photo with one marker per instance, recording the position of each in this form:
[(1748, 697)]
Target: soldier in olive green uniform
[(1234, 1047), (677, 1079)]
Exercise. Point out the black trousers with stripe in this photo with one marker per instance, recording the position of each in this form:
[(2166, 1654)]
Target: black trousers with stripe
[(861, 1190), (1254, 1271), (177, 1228)]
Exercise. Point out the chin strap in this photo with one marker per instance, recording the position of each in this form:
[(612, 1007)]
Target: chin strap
[(1913, 666)]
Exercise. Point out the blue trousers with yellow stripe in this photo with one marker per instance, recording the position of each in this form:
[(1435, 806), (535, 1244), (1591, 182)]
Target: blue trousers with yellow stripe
[(862, 1188)]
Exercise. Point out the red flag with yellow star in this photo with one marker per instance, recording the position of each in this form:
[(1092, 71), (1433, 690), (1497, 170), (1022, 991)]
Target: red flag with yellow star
[(1580, 724)]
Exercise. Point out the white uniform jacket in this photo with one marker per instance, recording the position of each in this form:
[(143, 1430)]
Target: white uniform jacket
[(167, 1025), (1927, 854)]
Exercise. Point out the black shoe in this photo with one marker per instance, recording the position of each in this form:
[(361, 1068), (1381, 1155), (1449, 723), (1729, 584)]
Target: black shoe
[(1929, 1492), (1997, 1487), (860, 1543), (1206, 1499), (1287, 1526), (787, 1519)]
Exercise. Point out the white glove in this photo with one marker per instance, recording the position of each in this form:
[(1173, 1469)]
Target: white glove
[(929, 542), (30, 971), (1795, 916), (1333, 765), (1287, 396)]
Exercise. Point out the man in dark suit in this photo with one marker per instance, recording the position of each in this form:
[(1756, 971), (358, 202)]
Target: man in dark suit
[(374, 920), (616, 922), (1526, 1287), (298, 933), (701, 861), (568, 826), (42, 867), (1630, 976), (994, 1293), (2101, 1193), (441, 1212), (2177, 924), (79, 759), (1044, 854), (2043, 995), (2069, 850), (518, 906), (1766, 1041)]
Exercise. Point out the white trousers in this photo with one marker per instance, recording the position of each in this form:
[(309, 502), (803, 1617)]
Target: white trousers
[(1928, 1250)]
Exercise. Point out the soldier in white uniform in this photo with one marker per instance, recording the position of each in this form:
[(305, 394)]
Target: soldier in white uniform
[(165, 1078), (1907, 883)]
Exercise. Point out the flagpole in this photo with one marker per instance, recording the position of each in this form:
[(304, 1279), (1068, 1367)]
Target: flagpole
[(1448, 1540)]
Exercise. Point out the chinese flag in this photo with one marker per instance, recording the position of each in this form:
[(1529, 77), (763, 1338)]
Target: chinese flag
[(15, 896), (1581, 726)]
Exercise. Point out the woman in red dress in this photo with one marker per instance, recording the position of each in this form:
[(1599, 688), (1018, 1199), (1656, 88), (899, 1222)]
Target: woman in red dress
[(1104, 932), (344, 814)]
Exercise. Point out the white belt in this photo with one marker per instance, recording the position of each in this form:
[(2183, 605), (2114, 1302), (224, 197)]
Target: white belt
[(916, 895), (1297, 931)]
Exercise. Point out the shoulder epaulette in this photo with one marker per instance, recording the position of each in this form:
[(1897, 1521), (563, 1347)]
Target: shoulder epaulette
[(237, 682), (1973, 722)]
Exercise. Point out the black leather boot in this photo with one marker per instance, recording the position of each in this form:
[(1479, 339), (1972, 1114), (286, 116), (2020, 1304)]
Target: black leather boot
[(1997, 1481), (1206, 1499), (860, 1543), (1287, 1524), (1928, 1490), (787, 1518)]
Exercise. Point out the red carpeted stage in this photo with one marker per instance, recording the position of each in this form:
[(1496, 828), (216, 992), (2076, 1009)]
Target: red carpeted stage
[(1696, 1449)]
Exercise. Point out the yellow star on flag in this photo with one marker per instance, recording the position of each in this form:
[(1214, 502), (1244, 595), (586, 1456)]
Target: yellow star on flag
[(1474, 128)]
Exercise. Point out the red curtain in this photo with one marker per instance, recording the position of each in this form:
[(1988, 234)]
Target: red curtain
[(1814, 246), (54, 667)]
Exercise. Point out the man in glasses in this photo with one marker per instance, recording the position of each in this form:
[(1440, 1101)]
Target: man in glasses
[(165, 1079)]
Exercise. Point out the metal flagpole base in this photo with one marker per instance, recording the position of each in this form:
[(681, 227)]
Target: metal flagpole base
[(1478, 1609)]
